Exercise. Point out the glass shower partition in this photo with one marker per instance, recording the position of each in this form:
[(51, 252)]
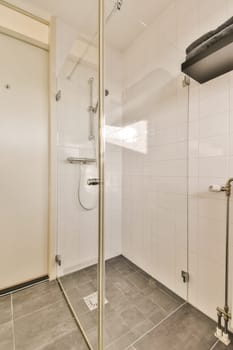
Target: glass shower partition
[(146, 173), (140, 194), (80, 152)]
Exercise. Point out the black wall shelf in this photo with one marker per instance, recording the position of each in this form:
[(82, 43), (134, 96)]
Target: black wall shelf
[(212, 62)]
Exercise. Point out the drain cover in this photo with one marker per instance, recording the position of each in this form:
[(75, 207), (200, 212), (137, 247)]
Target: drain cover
[(92, 301)]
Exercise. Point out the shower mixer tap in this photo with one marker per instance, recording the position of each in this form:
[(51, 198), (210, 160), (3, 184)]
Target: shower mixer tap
[(226, 188), (93, 182)]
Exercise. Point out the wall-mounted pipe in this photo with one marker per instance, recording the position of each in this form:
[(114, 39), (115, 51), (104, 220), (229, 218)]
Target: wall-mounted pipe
[(222, 333)]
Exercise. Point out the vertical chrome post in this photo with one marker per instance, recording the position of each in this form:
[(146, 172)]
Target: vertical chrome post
[(223, 333), (101, 165), (227, 189), (226, 307)]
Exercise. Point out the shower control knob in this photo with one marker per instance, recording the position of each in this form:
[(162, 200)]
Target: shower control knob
[(93, 182)]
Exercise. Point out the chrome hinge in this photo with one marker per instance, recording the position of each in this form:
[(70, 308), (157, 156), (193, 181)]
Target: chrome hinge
[(58, 259), (58, 95), (186, 81), (185, 276), (119, 4)]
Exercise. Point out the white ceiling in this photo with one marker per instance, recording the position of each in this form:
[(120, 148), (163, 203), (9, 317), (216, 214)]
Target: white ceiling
[(122, 29)]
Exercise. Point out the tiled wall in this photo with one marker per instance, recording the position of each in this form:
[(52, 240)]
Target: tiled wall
[(210, 162), (155, 116), (155, 176), (78, 228)]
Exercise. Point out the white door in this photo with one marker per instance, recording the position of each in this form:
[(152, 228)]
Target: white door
[(23, 162)]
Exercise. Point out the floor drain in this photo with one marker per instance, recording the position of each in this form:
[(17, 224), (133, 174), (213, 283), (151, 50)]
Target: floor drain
[(92, 301)]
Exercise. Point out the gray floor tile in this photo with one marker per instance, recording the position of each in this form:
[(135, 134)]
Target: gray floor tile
[(68, 282), (91, 271), (120, 264), (86, 289), (126, 287), (115, 328), (143, 327), (92, 335), (139, 280), (5, 309), (109, 312), (71, 341), (157, 315), (78, 303), (6, 336), (88, 320), (187, 329), (132, 316), (166, 301), (35, 298), (114, 276), (43, 327), (123, 342), (113, 293), (221, 346), (82, 277), (77, 279), (123, 302), (144, 304), (113, 346)]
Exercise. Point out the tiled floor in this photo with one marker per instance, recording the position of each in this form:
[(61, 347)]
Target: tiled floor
[(140, 315), (38, 319)]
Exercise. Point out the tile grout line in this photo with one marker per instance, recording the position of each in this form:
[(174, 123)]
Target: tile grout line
[(38, 310), (214, 346), (156, 326), (13, 324)]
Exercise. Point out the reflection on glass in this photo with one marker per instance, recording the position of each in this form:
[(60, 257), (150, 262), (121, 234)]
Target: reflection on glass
[(132, 136)]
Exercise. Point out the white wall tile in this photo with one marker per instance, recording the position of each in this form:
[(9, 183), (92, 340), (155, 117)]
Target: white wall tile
[(214, 146), (213, 166), (216, 124)]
